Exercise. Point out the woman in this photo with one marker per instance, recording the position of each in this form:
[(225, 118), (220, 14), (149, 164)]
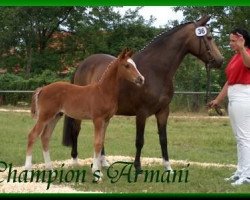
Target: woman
[(237, 88)]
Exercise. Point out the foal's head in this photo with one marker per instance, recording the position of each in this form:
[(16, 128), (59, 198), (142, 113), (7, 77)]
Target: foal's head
[(127, 68)]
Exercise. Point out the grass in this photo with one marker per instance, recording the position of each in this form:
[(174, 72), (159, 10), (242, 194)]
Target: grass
[(191, 139)]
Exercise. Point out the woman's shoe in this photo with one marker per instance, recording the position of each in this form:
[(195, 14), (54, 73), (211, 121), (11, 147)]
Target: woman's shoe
[(232, 178), (241, 181)]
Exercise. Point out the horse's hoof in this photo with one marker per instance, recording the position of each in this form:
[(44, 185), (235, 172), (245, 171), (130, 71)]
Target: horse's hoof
[(138, 171), (29, 173), (97, 176), (169, 170), (52, 172), (105, 164), (75, 162), (97, 180), (101, 174)]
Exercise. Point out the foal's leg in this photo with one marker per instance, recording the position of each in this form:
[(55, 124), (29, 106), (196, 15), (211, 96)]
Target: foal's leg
[(104, 162), (162, 118), (45, 137), (139, 141), (34, 133), (98, 143)]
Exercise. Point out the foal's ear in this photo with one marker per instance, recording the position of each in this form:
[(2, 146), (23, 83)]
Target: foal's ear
[(129, 53), (202, 21), (123, 54)]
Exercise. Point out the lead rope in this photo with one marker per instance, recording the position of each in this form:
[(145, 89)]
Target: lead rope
[(208, 91)]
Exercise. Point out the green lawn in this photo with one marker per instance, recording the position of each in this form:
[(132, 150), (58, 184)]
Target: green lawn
[(190, 139)]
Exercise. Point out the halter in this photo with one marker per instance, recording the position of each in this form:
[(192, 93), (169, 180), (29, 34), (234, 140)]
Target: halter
[(202, 39), (208, 69)]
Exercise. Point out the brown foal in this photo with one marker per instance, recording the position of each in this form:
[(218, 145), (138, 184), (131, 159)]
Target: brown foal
[(96, 101)]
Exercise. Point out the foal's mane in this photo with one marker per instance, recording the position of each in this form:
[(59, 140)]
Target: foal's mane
[(107, 70), (165, 34)]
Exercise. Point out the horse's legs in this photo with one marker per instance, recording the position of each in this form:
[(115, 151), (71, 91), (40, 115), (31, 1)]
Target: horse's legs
[(162, 118), (104, 162), (34, 133), (99, 136), (139, 141), (75, 133), (45, 138)]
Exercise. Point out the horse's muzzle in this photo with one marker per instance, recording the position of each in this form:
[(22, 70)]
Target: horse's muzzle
[(216, 63), (139, 81)]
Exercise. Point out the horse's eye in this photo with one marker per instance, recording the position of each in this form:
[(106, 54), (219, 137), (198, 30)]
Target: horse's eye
[(209, 37), (127, 66)]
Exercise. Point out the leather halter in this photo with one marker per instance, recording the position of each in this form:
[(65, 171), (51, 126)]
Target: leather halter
[(208, 70)]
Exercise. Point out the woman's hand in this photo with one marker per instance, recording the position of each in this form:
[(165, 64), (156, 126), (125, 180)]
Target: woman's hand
[(240, 42), (240, 47), (213, 104)]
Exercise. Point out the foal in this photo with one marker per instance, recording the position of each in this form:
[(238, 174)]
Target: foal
[(96, 101)]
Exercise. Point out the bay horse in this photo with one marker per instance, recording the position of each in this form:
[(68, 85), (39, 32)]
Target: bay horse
[(97, 101), (157, 62)]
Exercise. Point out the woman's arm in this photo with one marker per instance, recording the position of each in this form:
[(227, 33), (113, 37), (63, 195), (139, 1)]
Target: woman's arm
[(245, 57), (242, 50), (220, 97)]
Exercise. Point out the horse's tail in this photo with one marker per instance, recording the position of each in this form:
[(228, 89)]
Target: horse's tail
[(68, 127), (68, 130), (34, 105)]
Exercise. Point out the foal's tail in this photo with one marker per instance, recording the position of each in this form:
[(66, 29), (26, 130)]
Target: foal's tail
[(34, 106)]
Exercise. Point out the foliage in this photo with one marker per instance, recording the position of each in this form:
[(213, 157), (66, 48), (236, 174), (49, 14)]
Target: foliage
[(30, 31), (13, 82), (58, 38)]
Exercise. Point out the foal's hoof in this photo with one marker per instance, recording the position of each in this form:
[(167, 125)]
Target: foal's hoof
[(97, 176), (52, 172), (97, 180), (105, 164), (96, 171), (29, 174)]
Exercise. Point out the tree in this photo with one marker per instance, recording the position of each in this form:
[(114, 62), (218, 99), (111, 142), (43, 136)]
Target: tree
[(31, 30), (29, 39), (106, 31)]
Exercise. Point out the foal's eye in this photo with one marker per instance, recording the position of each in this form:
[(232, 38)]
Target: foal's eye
[(127, 66)]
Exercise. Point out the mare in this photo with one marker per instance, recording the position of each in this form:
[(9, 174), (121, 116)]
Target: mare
[(157, 62), (97, 101)]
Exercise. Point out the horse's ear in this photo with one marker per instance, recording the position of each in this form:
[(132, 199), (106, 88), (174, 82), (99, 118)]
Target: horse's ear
[(202, 21), (129, 53), (123, 54)]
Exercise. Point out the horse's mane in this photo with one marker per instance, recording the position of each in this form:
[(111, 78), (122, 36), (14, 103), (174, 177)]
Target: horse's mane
[(165, 34), (106, 70), (158, 37)]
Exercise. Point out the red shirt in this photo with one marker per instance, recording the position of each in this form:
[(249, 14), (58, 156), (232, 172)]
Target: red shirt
[(236, 71)]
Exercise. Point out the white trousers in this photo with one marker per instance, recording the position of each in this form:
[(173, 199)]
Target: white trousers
[(239, 113)]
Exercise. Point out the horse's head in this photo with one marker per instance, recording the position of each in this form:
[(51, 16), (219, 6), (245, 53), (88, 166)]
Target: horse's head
[(127, 68), (202, 45)]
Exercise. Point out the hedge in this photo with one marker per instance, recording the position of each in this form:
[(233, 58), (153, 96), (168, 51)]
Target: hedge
[(10, 81)]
